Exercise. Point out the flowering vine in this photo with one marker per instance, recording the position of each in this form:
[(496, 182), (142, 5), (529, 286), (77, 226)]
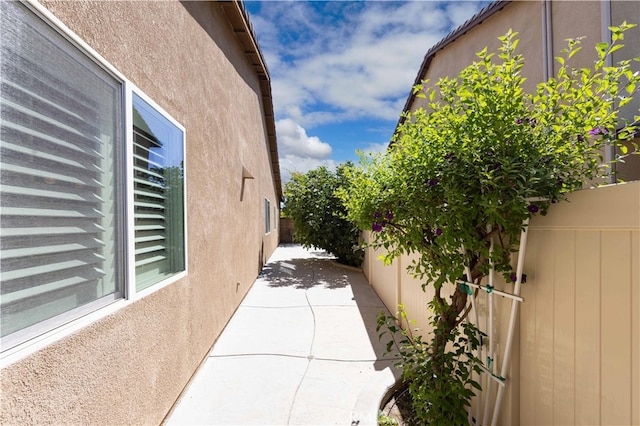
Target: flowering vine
[(463, 171)]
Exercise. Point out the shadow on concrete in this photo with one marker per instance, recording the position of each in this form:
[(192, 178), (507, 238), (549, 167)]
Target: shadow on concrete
[(303, 274), (320, 272)]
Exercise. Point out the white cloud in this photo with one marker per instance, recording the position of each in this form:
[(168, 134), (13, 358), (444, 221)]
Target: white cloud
[(460, 12), (300, 152), (360, 65), (293, 163), (293, 140), (336, 61)]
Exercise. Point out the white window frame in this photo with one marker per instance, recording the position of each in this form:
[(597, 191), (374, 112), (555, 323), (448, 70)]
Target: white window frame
[(130, 285), (267, 216), (128, 294), (275, 218)]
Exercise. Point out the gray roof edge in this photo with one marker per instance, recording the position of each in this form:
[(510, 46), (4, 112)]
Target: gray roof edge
[(240, 9)]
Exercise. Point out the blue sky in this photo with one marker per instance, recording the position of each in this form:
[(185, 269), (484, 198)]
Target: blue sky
[(341, 71)]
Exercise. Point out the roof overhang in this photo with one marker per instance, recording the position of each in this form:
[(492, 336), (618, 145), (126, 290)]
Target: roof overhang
[(238, 17)]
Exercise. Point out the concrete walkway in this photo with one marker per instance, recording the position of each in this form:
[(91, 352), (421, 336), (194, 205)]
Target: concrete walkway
[(302, 349)]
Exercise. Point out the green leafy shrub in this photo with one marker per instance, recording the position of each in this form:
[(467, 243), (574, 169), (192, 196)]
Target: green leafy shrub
[(484, 157), (440, 383), (319, 216)]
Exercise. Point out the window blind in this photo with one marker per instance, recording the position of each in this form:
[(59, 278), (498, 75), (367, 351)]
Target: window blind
[(60, 233), (267, 216), (158, 195)]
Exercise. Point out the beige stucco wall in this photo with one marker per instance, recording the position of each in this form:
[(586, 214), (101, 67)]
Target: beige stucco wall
[(521, 16), (130, 367), (629, 11), (568, 21)]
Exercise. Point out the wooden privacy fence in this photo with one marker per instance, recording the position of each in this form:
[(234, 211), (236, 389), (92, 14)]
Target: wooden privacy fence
[(287, 230), (576, 353)]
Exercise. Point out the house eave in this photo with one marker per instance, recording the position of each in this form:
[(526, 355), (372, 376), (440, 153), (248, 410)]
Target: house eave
[(238, 18)]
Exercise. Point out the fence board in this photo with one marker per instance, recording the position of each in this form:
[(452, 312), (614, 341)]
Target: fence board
[(564, 327), (587, 338), (616, 320)]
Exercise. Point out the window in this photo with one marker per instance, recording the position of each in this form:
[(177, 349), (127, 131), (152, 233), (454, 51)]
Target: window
[(158, 169), (275, 218), (64, 236), (267, 216)]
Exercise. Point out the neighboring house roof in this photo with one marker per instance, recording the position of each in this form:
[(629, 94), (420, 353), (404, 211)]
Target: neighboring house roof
[(475, 20), (238, 17)]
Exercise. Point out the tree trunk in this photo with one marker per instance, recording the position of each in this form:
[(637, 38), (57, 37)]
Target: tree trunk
[(447, 322)]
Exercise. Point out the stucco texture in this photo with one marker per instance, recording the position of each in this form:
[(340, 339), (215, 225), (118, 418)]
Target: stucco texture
[(130, 367), (522, 17)]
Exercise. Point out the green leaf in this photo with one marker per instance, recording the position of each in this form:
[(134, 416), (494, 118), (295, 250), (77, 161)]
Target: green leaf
[(615, 48), (574, 51), (630, 88)]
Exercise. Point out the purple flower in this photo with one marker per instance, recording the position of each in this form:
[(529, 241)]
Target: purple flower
[(580, 138), (598, 131), (376, 215), (376, 227), (497, 166), (438, 232), (433, 182), (389, 216), (519, 121), (513, 277), (533, 208)]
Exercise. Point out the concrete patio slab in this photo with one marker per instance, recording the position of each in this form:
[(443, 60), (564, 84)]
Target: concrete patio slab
[(242, 390), (356, 294), (281, 330), (348, 334), (314, 406), (301, 349), (263, 294)]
